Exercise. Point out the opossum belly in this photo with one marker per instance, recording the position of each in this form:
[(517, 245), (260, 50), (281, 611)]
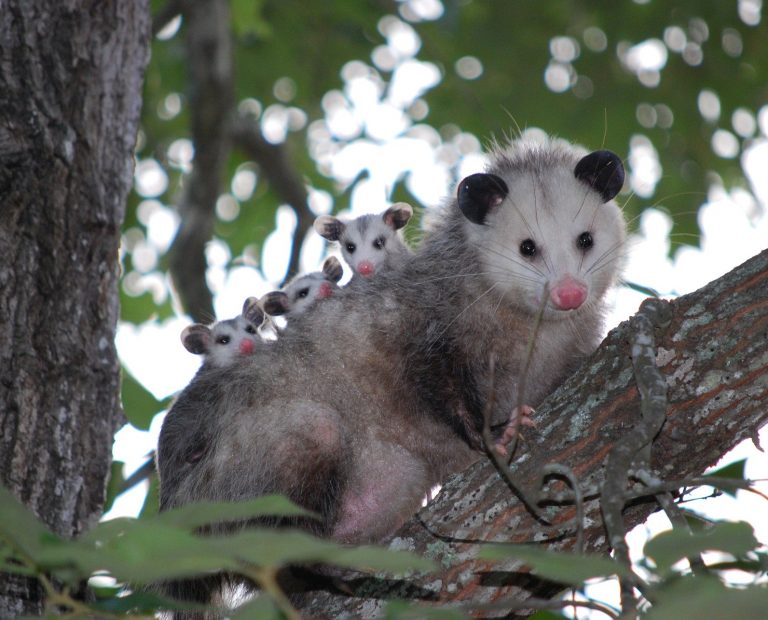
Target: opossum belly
[(384, 489)]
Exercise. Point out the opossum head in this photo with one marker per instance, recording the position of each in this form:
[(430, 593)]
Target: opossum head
[(369, 242), (301, 293), (223, 342), (543, 221)]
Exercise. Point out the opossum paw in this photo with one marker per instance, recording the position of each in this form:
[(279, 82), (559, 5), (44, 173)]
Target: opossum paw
[(521, 416)]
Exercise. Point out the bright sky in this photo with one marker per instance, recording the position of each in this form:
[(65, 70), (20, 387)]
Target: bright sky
[(373, 125)]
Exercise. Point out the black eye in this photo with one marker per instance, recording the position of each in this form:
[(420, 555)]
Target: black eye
[(585, 241), (303, 293), (250, 329), (379, 243), (223, 339), (528, 248), (351, 247)]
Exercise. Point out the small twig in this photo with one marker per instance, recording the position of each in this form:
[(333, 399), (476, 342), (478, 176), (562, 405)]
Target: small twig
[(556, 469), (543, 603), (528, 357), (653, 404), (266, 579), (501, 464), (675, 516)]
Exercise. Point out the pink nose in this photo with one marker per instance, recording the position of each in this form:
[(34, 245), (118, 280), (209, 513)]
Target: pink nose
[(365, 268), (324, 291), (246, 347), (568, 294)]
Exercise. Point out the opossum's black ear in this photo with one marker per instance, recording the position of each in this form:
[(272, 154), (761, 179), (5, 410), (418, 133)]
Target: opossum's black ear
[(275, 303), (253, 312), (329, 227), (397, 215), (196, 338), (332, 269), (603, 171), (478, 193)]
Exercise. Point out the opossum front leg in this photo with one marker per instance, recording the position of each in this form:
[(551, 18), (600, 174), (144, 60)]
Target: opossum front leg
[(521, 416)]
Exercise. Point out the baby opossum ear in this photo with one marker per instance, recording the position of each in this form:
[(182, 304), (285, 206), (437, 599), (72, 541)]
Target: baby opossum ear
[(253, 312), (196, 338), (603, 171), (397, 215), (276, 303), (332, 269), (329, 227), (478, 193)]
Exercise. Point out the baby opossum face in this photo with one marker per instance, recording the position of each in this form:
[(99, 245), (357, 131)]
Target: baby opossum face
[(548, 223), (222, 343), (302, 292), (369, 242)]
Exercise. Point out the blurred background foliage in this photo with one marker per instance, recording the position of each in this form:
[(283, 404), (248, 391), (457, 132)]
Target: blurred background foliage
[(376, 101)]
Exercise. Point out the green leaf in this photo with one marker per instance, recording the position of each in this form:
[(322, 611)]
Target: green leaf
[(139, 405), (275, 548), (569, 568), (402, 610), (114, 484), (733, 470), (205, 513), (21, 529), (138, 603), (669, 547), (706, 597), (151, 505), (544, 614), (139, 552), (262, 608)]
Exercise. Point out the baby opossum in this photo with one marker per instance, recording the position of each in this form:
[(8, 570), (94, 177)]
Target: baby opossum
[(221, 343), (380, 393), (369, 243), (301, 293)]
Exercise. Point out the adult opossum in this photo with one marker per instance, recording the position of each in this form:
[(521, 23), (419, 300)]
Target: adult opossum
[(379, 393)]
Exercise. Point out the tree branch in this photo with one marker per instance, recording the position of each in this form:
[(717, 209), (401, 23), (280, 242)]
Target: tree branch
[(211, 95), (276, 166), (713, 354)]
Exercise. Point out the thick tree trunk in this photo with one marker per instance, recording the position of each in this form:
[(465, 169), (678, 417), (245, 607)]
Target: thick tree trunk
[(712, 350), (70, 95)]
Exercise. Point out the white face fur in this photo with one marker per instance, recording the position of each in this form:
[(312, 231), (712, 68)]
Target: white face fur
[(224, 342), (555, 229), (369, 243), (306, 290)]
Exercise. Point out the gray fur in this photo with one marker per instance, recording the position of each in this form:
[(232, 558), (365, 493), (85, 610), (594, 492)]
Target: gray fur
[(303, 292), (369, 243), (379, 394), (222, 343)]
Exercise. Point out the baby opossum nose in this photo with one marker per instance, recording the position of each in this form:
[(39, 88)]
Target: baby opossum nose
[(568, 294), (324, 291), (365, 268), (246, 347)]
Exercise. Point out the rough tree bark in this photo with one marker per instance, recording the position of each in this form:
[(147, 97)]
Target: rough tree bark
[(70, 95), (712, 349)]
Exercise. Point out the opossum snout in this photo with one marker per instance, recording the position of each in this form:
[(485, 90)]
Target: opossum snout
[(365, 268), (568, 294), (246, 347), (324, 291)]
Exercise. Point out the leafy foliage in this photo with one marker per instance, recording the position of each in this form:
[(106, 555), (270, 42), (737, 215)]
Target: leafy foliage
[(672, 590), (137, 553)]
